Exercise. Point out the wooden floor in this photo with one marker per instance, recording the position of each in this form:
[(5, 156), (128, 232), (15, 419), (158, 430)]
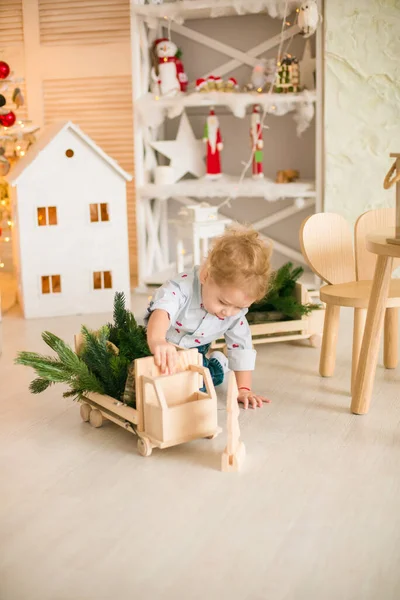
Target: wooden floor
[(315, 514)]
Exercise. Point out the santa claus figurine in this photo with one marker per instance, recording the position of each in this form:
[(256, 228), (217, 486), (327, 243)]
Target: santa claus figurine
[(257, 143), (212, 137), (168, 74)]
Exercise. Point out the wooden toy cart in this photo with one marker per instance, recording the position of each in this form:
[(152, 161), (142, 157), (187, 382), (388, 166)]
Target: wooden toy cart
[(170, 409)]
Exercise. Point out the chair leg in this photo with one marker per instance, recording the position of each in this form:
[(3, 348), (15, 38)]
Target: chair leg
[(390, 344), (329, 341), (360, 315)]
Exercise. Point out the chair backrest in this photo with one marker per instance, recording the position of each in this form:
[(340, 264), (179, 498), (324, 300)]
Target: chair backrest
[(326, 242), (373, 220)]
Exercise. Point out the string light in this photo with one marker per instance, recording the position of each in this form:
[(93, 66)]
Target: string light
[(2, 265), (9, 223), (7, 239)]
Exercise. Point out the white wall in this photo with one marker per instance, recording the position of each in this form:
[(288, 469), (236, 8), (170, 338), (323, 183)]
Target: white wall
[(362, 102)]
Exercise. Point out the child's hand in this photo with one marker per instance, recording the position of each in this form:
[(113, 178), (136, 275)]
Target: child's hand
[(250, 399), (165, 356)]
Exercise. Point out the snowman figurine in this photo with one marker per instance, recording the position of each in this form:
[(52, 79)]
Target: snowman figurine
[(168, 75), (308, 18)]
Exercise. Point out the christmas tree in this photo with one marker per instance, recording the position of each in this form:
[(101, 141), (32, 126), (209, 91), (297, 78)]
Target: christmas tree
[(16, 136)]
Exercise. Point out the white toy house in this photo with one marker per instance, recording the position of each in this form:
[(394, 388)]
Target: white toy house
[(70, 239)]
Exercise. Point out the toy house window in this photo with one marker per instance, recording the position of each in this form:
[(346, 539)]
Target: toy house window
[(51, 284), (99, 212), (102, 280), (46, 215)]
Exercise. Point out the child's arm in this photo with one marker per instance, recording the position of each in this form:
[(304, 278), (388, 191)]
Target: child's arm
[(163, 308), (165, 354), (242, 358)]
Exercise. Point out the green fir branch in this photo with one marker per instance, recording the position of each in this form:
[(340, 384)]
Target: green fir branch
[(39, 385), (280, 296)]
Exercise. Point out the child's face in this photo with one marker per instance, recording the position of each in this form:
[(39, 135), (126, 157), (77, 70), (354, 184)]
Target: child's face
[(222, 301)]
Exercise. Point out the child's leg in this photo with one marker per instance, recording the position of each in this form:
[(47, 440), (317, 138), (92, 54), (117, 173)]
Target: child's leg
[(217, 364)]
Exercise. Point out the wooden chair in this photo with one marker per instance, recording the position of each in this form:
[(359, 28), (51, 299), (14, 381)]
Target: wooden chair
[(327, 245)]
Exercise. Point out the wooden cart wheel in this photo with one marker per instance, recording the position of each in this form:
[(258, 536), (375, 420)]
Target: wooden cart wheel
[(86, 409), (315, 341), (144, 446), (96, 418)]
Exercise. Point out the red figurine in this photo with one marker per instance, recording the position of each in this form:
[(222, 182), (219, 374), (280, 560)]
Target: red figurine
[(257, 143), (212, 136)]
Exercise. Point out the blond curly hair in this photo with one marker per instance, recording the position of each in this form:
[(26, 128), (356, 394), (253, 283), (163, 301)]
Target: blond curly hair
[(241, 258)]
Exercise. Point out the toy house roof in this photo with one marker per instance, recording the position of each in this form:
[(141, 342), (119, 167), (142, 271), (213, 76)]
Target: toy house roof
[(44, 140)]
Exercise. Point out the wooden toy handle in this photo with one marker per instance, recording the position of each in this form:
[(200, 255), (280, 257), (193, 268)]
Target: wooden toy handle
[(388, 182), (159, 393), (206, 376)]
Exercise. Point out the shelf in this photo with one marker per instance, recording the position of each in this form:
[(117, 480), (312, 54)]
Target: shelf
[(182, 10), (153, 110), (228, 186)]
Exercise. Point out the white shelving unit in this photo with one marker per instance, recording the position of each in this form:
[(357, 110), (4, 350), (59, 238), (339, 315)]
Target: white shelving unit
[(153, 110), (229, 186), (147, 23)]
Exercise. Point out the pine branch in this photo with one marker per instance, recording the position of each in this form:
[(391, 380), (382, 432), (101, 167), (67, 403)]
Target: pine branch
[(110, 368), (129, 337), (45, 367), (96, 354), (280, 296), (54, 370), (67, 356), (75, 394), (119, 312), (39, 385)]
